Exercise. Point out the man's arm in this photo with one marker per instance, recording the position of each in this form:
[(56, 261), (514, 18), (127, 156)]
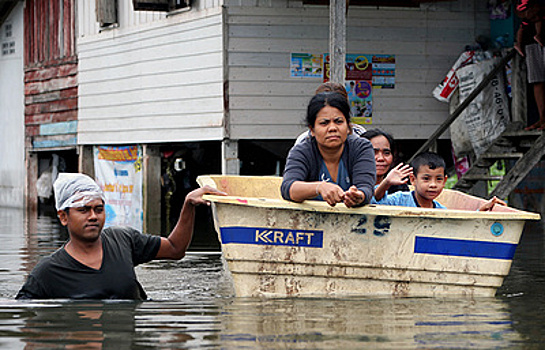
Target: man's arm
[(176, 244)]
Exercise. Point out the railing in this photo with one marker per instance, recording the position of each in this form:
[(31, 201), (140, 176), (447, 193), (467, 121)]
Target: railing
[(443, 127)]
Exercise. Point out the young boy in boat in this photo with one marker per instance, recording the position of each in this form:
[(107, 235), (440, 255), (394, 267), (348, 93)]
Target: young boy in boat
[(428, 178)]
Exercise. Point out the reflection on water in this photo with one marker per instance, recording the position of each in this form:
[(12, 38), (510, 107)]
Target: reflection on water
[(192, 307)]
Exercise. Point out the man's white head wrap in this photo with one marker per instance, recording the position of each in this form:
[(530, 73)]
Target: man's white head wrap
[(75, 190)]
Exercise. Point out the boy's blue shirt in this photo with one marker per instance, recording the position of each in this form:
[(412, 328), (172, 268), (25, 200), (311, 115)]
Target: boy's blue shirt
[(403, 199)]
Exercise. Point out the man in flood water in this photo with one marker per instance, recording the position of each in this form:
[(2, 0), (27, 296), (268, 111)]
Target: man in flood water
[(96, 263)]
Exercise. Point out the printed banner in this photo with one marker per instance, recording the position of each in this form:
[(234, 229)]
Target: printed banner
[(306, 65), (118, 173)]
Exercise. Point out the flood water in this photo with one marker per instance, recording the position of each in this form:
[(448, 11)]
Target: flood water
[(192, 307)]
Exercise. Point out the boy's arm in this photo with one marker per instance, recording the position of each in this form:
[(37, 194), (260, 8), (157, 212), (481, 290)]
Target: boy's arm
[(490, 204)]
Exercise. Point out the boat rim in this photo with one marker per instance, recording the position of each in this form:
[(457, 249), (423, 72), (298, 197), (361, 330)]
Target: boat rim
[(371, 209)]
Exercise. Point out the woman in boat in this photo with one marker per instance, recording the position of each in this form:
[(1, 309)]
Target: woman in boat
[(392, 175), (332, 165), (329, 86)]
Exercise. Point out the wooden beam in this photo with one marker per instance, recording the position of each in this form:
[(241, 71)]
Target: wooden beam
[(337, 40), (521, 168)]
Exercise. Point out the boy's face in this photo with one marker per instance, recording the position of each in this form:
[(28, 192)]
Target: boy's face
[(429, 183)]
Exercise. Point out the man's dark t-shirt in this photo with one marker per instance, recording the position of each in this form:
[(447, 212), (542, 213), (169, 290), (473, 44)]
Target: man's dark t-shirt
[(60, 276)]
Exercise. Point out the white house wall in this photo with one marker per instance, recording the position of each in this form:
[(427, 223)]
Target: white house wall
[(12, 101), (264, 102), (153, 79)]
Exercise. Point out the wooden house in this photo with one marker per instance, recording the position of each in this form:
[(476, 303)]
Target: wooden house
[(212, 78), (51, 94)]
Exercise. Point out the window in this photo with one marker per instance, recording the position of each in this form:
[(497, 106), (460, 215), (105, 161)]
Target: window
[(106, 11), (160, 5)]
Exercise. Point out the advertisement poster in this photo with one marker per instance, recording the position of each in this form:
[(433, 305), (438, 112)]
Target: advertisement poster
[(306, 65), (118, 173), (384, 71), (358, 67), (361, 101)]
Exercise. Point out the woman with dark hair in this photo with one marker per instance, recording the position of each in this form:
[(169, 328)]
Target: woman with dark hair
[(392, 176), (332, 165)]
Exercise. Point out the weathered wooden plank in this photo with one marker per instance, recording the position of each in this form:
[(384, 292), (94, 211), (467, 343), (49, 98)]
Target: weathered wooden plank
[(296, 117), (53, 106), (52, 96), (182, 26), (67, 27), (295, 87), (141, 55), (148, 136), (59, 128), (357, 20), (153, 110), (50, 85), (53, 117), (47, 73), (156, 95), (521, 168), (28, 16), (54, 141), (53, 26), (179, 86), (32, 130), (367, 33), (253, 45), (285, 102), (206, 64)]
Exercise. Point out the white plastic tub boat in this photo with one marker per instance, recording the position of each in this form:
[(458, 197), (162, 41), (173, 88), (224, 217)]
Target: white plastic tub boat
[(277, 248)]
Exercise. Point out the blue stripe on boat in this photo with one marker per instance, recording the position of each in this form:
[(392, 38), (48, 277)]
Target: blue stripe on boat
[(268, 236), (459, 247)]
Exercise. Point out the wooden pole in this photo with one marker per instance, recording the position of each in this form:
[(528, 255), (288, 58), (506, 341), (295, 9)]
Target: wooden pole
[(337, 40)]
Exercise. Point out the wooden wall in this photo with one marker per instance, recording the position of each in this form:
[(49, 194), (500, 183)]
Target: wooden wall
[(158, 81), (265, 103), (157, 78), (50, 74)]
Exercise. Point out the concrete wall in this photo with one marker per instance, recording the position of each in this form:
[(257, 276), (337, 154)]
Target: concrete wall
[(12, 163)]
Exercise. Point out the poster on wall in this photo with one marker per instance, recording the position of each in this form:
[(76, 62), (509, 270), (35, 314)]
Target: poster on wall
[(361, 100), (384, 71), (118, 173), (358, 67), (306, 65)]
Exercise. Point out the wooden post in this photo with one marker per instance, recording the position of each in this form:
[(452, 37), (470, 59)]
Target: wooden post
[(230, 164), (337, 40), (518, 90), (31, 192), (151, 189), (86, 161)]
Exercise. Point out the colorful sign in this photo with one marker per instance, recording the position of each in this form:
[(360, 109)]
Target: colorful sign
[(268, 236), (357, 67), (384, 70), (118, 173), (306, 65)]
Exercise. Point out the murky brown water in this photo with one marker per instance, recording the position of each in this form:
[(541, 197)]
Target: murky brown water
[(193, 308)]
